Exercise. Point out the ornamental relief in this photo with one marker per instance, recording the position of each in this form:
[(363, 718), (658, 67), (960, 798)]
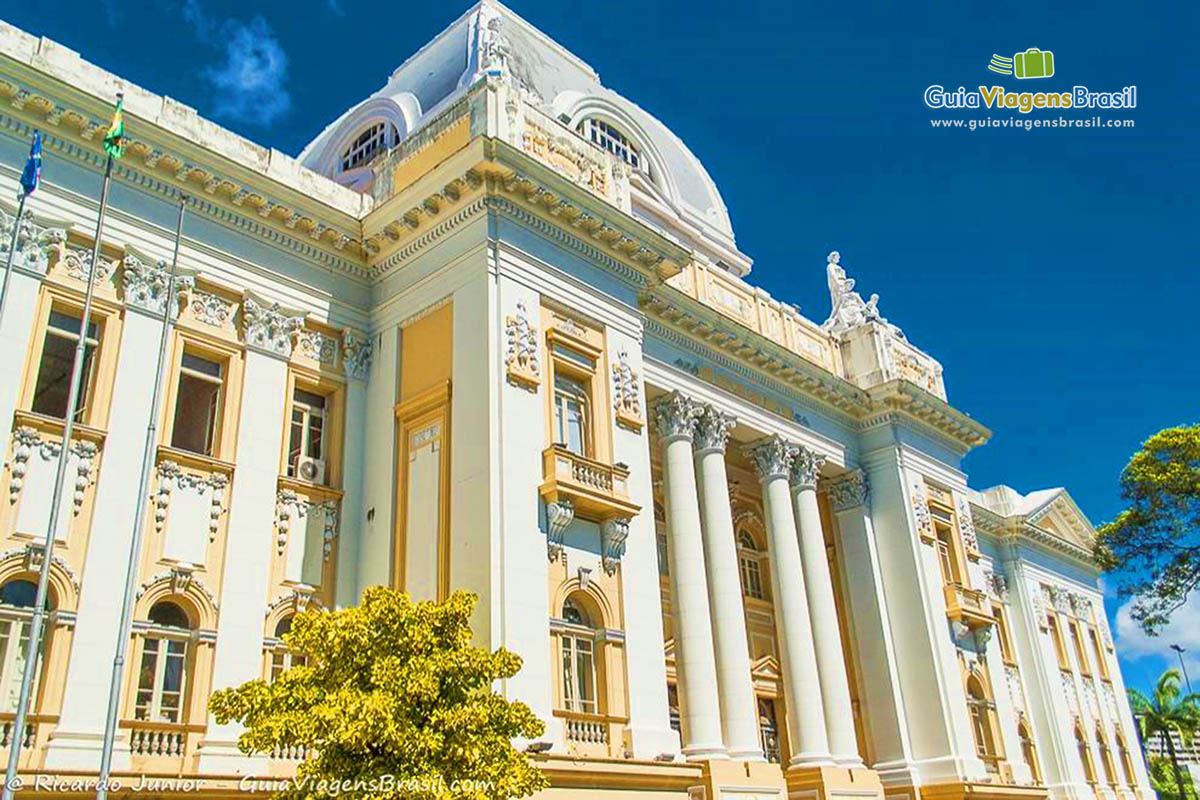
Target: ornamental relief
[(627, 403), (211, 309), (34, 244), (271, 328), (521, 354), (76, 262), (356, 355), (966, 527), (30, 442), (318, 346), (145, 286), (920, 506), (305, 533)]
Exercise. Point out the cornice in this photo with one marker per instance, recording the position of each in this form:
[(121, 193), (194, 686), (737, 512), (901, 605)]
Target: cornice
[(676, 309), (161, 162), (914, 402), (1019, 530)]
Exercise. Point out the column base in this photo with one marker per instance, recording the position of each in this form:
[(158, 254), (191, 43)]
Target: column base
[(830, 782), (80, 751), (742, 780)]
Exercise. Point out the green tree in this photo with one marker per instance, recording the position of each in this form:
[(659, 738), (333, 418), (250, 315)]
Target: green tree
[(1168, 710), (393, 702), (1162, 778), (1155, 541)]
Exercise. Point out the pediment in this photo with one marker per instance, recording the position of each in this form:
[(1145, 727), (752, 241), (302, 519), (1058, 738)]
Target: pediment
[(1060, 517)]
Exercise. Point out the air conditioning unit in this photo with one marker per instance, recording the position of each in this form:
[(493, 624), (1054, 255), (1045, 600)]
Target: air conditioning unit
[(310, 469)]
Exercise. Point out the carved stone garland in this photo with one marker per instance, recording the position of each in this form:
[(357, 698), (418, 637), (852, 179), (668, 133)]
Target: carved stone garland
[(521, 353), (145, 286), (170, 477), (34, 242), (30, 439), (626, 395), (356, 355), (966, 526), (920, 505), (289, 503), (272, 329)]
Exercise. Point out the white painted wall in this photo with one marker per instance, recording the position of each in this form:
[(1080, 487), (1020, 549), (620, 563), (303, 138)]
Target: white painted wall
[(251, 537)]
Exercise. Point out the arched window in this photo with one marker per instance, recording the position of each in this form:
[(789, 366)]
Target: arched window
[(749, 565), (981, 709), (1085, 756), (283, 657), (1106, 759), (609, 138), (578, 659), (162, 678), (1126, 761), (17, 598), (371, 142), (1029, 752)]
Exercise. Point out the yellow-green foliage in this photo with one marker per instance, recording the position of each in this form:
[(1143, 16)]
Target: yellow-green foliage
[(394, 702), (1155, 541)]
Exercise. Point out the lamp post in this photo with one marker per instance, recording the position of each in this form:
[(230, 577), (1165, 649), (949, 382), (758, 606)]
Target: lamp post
[(1179, 651)]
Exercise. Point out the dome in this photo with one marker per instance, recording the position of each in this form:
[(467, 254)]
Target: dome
[(672, 190)]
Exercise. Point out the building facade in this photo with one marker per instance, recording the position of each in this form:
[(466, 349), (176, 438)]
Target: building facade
[(492, 331)]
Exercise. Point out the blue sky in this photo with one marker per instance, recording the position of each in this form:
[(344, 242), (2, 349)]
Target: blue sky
[(1053, 273)]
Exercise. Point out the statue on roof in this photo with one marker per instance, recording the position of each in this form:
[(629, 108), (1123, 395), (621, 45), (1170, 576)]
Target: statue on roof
[(848, 309)]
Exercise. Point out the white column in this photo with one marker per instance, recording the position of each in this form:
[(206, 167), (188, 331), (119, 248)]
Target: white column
[(879, 679), (244, 585), (374, 566), (827, 639), (356, 358), (675, 417), (739, 711), (798, 660)]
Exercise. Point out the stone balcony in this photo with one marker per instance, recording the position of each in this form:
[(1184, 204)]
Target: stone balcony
[(598, 491), (968, 606)]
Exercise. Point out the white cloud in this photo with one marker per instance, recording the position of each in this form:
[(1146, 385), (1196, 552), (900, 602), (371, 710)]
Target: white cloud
[(1183, 629), (250, 84)]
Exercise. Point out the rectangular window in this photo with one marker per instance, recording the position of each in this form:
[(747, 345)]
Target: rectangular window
[(58, 358), (198, 404), (1060, 649), (1080, 655), (1098, 652), (945, 549), (1006, 650), (160, 681), (306, 441), (571, 414), (579, 682)]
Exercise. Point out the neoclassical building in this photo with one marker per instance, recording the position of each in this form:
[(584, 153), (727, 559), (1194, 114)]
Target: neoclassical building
[(492, 330)]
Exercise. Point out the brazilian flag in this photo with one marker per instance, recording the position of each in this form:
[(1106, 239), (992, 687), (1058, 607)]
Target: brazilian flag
[(114, 140)]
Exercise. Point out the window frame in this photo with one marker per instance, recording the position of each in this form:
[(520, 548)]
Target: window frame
[(612, 138), (376, 137), (163, 636), (750, 567), (21, 619), (97, 389), (213, 425), (1060, 646), (578, 353), (231, 359), (1029, 751), (302, 379)]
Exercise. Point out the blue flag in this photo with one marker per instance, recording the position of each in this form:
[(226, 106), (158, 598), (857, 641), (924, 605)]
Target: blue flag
[(33, 167)]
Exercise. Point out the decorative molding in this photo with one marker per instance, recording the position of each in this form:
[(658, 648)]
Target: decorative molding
[(920, 506), (171, 477), (291, 506), (145, 286), (318, 346), (806, 468), (627, 402), (35, 243), (772, 457), (558, 516), (521, 360), (30, 439), (675, 417), (271, 328), (712, 429), (848, 491), (357, 352), (210, 308), (966, 528), (77, 263), (613, 534), (181, 578), (32, 554)]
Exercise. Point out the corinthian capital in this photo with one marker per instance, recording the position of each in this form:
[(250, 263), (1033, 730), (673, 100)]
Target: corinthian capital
[(712, 429), (772, 457), (675, 416), (847, 491), (806, 466)]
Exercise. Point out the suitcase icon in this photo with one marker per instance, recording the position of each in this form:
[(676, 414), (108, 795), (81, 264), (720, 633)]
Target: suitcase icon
[(1034, 63)]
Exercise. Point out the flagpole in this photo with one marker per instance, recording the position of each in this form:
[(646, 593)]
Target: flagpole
[(139, 523), (39, 607), (12, 249)]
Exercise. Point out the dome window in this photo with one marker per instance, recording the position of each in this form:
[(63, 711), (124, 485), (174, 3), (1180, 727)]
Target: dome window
[(368, 144), (609, 138)]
